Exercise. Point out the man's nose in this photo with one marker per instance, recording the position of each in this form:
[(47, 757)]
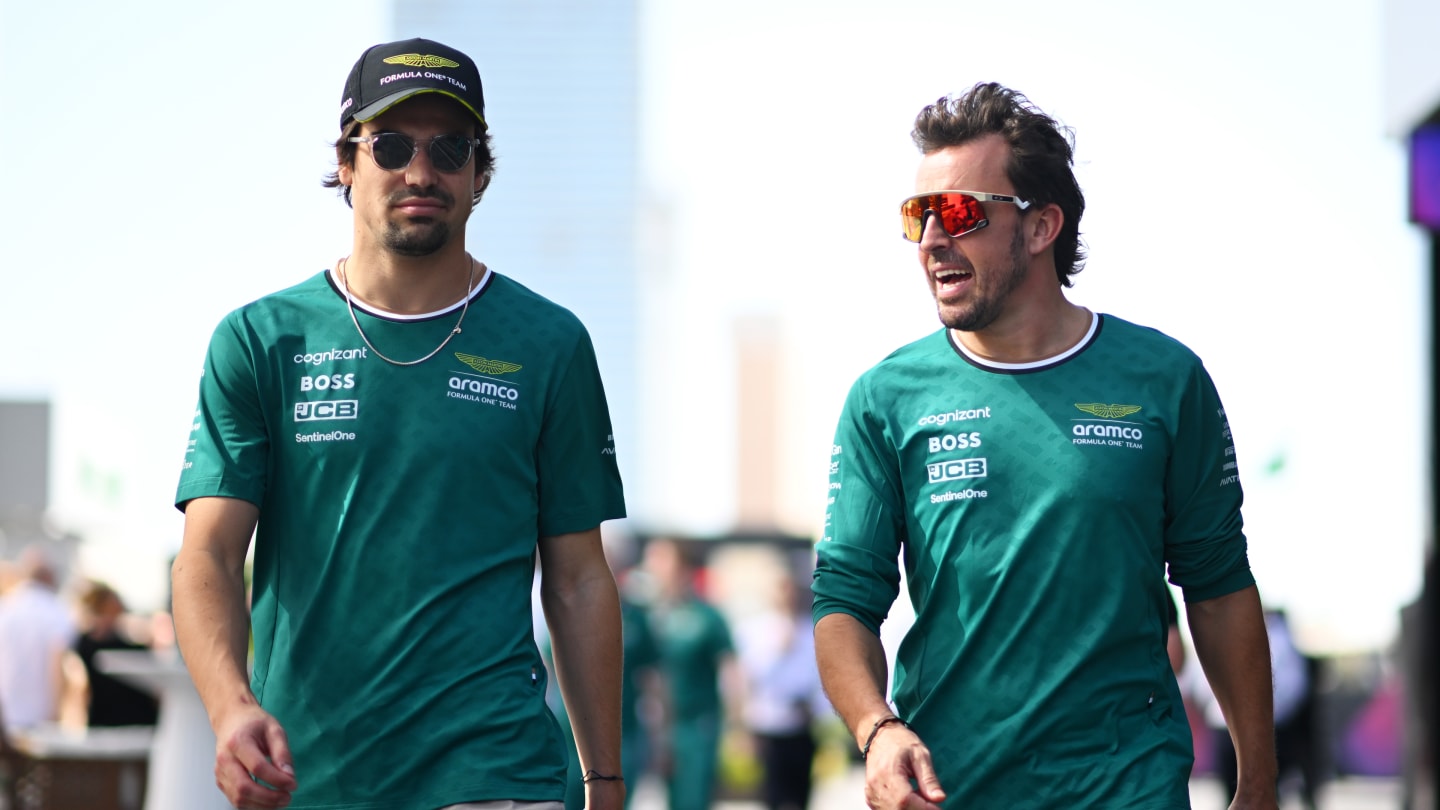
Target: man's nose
[(421, 172), (932, 232)]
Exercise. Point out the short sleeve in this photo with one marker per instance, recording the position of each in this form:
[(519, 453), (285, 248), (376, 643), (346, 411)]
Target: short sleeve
[(579, 480), (229, 444)]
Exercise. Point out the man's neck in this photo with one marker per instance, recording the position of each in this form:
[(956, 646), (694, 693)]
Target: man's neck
[(1045, 330), (409, 285)]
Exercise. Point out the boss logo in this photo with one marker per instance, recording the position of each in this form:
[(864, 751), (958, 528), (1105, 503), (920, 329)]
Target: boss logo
[(956, 441), (327, 382)]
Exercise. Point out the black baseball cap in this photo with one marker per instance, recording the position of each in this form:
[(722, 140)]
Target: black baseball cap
[(389, 73)]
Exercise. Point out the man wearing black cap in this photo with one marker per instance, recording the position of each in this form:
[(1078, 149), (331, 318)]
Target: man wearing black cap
[(403, 434)]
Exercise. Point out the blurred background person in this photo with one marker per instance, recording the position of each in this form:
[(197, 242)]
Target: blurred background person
[(696, 656), (640, 669), (782, 693), (35, 631), (108, 701)]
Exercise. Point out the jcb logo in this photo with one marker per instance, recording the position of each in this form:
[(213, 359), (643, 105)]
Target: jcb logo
[(956, 470), (327, 409)]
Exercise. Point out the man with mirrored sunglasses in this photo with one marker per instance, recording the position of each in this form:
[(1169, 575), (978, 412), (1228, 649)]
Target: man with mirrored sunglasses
[(1036, 468), (406, 435)]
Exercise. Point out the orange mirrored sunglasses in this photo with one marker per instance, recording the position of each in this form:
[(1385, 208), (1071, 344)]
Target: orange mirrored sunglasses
[(960, 212)]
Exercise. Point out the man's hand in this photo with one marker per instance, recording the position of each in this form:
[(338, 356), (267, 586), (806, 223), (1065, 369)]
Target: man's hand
[(253, 767), (852, 667), (896, 756)]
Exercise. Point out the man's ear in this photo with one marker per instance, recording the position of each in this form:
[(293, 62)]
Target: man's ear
[(1042, 228), (346, 174)]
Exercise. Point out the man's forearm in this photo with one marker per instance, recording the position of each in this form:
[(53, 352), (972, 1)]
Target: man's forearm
[(585, 633), (1230, 641), (212, 628), (853, 671)]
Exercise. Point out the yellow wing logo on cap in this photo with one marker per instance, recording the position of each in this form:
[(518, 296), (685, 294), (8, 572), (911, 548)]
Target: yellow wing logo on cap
[(486, 366), (421, 60), (1107, 411)]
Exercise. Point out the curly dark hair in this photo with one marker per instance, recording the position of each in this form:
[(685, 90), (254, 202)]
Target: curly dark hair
[(345, 152), (1042, 154)]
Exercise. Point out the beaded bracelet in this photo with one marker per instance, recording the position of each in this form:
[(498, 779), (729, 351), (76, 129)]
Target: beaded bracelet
[(875, 729), (593, 775)]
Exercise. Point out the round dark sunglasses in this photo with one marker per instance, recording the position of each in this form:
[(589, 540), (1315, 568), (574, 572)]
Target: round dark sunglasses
[(393, 151)]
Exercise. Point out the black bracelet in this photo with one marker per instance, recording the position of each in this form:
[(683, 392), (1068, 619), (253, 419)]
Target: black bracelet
[(593, 775), (875, 729)]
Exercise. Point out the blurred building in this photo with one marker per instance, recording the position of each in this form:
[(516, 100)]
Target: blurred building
[(25, 482), (1412, 114), (24, 465)]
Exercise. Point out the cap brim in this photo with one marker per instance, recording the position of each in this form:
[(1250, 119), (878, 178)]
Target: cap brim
[(377, 108)]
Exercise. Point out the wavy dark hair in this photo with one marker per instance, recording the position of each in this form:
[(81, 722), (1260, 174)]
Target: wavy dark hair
[(1042, 155), (345, 152)]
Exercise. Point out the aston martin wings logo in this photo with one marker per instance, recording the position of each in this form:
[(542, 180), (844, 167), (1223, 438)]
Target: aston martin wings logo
[(1107, 411), (421, 60), (486, 366)]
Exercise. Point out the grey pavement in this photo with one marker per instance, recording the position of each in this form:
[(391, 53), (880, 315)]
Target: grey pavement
[(845, 792)]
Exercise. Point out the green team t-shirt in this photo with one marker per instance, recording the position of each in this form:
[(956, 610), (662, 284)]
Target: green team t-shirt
[(641, 653), (400, 509), (1036, 508), (693, 639)]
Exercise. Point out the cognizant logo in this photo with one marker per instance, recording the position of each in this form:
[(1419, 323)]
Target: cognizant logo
[(317, 358), (955, 416)]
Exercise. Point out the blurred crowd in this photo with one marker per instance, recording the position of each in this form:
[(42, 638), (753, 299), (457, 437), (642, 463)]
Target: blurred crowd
[(720, 694), (722, 697), (51, 631)]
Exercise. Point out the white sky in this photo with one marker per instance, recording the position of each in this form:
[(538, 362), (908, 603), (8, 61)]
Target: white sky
[(1241, 197)]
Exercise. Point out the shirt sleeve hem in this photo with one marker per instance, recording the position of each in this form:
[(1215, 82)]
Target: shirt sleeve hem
[(821, 611), (200, 489), (1229, 584)]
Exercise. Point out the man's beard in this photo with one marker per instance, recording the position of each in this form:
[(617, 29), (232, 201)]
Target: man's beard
[(988, 303), (419, 238)]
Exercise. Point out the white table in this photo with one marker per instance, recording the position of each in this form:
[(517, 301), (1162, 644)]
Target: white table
[(87, 769), (182, 753)]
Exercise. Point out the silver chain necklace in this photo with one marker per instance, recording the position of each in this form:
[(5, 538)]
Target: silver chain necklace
[(350, 304)]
